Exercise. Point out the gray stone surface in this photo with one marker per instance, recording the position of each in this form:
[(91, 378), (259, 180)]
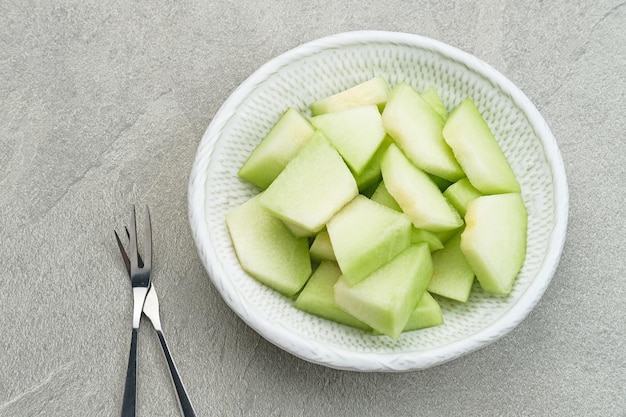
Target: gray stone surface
[(102, 104)]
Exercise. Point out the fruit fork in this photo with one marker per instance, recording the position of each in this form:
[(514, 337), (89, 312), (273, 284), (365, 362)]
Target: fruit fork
[(139, 272), (151, 310)]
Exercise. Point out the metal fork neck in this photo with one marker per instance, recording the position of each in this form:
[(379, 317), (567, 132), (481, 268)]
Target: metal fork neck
[(139, 295)]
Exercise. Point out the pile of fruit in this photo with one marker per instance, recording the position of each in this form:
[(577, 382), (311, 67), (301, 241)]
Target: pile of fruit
[(376, 202)]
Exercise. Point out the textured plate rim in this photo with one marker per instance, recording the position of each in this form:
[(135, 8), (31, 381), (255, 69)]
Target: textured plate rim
[(338, 358)]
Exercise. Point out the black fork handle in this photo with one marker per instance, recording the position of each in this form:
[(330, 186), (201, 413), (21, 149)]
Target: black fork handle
[(130, 389), (183, 399)]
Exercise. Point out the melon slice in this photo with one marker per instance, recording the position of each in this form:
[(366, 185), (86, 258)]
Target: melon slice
[(385, 299), (365, 235), (356, 133), (371, 176), (417, 129), (494, 240), (432, 97), (478, 152), (452, 275), (318, 296), (374, 91), (460, 194), (314, 185), (426, 314), (424, 236), (382, 196), (269, 158), (266, 248), (321, 249), (416, 193)]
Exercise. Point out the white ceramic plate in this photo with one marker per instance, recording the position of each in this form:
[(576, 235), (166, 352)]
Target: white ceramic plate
[(321, 68)]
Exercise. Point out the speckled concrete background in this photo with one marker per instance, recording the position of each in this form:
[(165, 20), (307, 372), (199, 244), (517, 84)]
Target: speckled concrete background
[(102, 104)]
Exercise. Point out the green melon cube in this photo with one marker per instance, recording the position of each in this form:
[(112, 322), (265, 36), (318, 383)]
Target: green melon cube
[(314, 185), (374, 91), (385, 299), (426, 314), (382, 196), (321, 249), (424, 236), (417, 194), (318, 296), (417, 129), (478, 152), (460, 194), (432, 97), (366, 235), (356, 133), (452, 275), (371, 176), (269, 158), (267, 250), (494, 240)]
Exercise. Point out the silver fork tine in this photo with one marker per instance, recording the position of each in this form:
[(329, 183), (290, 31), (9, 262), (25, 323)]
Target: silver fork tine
[(147, 256), (123, 252), (133, 252)]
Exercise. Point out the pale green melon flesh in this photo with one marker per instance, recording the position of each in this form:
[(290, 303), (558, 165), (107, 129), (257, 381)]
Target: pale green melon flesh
[(365, 235), (297, 230), (318, 296), (494, 240), (478, 152), (452, 275), (424, 236), (460, 194), (269, 158), (356, 133), (385, 299), (374, 91), (445, 236), (382, 196), (321, 249), (432, 97), (417, 129), (441, 183), (427, 313), (417, 194), (267, 250), (371, 175), (314, 185)]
